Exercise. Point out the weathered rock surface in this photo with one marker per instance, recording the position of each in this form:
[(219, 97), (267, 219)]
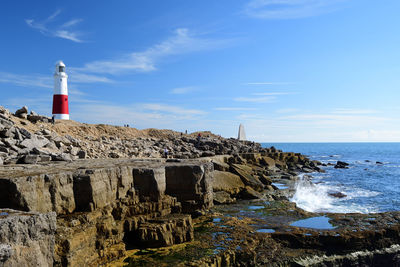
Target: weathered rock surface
[(227, 182), (26, 239), (191, 185), (105, 205), (166, 231)]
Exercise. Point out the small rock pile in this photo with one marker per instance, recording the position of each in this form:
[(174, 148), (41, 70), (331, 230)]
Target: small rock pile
[(183, 147), (19, 145)]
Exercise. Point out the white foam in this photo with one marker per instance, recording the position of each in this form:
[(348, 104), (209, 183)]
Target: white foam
[(315, 198), (311, 197), (362, 193)]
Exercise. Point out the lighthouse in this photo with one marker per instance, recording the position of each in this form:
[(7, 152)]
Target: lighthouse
[(60, 97)]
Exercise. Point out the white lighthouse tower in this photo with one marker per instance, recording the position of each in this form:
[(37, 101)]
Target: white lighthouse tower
[(60, 97)]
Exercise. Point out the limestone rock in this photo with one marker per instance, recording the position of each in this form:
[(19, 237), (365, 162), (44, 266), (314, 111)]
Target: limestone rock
[(166, 231), (27, 239), (191, 184), (150, 182), (246, 174), (30, 159), (223, 197), (34, 142), (22, 112), (250, 193), (227, 182)]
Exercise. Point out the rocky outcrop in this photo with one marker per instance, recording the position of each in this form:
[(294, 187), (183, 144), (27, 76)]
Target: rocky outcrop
[(26, 239), (104, 206), (342, 165)]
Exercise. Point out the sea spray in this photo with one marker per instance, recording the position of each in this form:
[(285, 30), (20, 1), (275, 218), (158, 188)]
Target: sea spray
[(316, 197), (312, 197)]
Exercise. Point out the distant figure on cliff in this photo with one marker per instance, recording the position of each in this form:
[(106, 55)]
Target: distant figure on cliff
[(166, 153), (198, 138), (53, 119)]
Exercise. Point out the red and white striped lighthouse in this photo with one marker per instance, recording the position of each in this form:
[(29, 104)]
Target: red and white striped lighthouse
[(60, 97)]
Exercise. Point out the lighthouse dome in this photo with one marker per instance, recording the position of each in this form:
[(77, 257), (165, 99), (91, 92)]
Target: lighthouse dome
[(60, 66)]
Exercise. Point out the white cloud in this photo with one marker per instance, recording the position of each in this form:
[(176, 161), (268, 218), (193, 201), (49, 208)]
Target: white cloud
[(289, 9), (264, 99), (34, 80), (353, 111), (234, 109), (171, 109), (182, 42), (42, 81), (73, 36), (183, 90), (269, 83), (287, 110), (75, 92), (61, 31), (77, 77), (272, 93), (71, 23)]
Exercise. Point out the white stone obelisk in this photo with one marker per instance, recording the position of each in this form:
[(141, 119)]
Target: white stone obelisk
[(60, 97), (242, 134)]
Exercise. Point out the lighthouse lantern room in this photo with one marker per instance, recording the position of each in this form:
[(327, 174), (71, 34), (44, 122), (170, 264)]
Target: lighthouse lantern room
[(60, 97)]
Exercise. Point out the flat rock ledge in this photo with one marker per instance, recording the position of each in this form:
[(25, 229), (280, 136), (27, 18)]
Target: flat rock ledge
[(87, 212)]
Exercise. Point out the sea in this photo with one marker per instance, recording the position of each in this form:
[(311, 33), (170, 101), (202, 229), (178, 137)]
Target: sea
[(371, 183)]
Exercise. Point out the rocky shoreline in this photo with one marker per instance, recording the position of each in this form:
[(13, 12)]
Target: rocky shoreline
[(73, 194)]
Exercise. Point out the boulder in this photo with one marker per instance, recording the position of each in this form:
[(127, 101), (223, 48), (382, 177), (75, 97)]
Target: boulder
[(246, 174), (22, 110), (61, 157), (223, 197), (29, 159), (34, 142), (220, 164), (7, 132), (6, 122), (25, 132), (227, 182), (249, 193), (342, 165), (337, 194)]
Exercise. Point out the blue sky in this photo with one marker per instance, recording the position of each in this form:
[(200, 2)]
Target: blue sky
[(289, 70)]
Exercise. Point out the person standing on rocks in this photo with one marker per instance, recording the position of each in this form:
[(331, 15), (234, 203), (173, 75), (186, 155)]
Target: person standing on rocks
[(53, 119), (166, 153)]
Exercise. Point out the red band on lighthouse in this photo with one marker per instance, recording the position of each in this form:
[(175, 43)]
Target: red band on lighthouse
[(60, 104)]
